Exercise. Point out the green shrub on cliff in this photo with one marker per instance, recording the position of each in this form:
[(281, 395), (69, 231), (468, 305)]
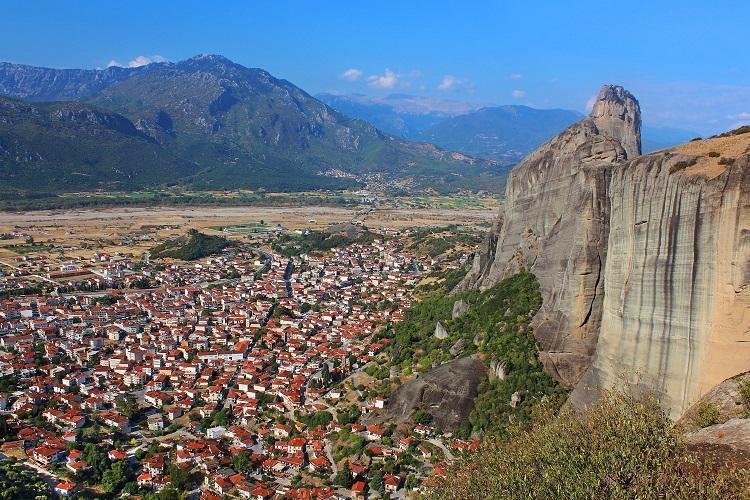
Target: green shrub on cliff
[(496, 325), (707, 415), (623, 447)]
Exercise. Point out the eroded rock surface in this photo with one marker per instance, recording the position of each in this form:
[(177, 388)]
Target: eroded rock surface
[(446, 392), (676, 315), (555, 225), (643, 262)]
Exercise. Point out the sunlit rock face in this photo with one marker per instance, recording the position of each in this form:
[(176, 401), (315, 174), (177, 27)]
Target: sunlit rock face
[(676, 312), (555, 225), (643, 263)]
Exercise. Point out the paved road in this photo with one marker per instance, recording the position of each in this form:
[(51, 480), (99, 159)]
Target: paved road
[(448, 455), (329, 454), (30, 275), (144, 441)]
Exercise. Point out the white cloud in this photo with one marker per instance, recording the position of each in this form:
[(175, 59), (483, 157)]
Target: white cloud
[(138, 61), (352, 74), (739, 116), (515, 76), (518, 94), (387, 80), (590, 102), (449, 83)]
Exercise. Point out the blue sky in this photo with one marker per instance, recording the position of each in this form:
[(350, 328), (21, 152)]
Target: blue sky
[(687, 61)]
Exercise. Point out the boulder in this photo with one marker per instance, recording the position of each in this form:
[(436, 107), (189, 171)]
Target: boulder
[(478, 338), (498, 369), (447, 392), (458, 347), (440, 331), (459, 308), (515, 398)]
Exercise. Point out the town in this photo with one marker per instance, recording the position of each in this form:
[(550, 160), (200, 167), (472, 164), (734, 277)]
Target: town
[(245, 374)]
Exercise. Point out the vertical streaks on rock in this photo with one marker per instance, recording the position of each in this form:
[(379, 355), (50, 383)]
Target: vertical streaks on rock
[(671, 284), (555, 225)]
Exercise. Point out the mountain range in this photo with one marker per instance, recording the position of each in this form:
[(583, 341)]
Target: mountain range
[(206, 123), (503, 133)]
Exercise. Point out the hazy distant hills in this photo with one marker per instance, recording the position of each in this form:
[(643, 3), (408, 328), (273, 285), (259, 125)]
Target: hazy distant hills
[(503, 133), (402, 115), (207, 123)]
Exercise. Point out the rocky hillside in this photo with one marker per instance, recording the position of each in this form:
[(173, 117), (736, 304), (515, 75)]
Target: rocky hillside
[(643, 262), (677, 279), (242, 127), (71, 146), (555, 226)]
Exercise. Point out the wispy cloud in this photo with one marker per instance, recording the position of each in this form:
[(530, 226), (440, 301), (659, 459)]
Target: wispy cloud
[(138, 61), (352, 74), (590, 102), (706, 108), (518, 94), (387, 80), (516, 76), (448, 83)]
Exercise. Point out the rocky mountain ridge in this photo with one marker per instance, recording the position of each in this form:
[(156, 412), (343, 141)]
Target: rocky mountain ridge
[(242, 127), (49, 147), (642, 261)]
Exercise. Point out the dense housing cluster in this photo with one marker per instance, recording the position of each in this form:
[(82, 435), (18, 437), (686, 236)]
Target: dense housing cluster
[(245, 374)]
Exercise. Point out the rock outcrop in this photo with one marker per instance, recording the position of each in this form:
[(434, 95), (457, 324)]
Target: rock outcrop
[(555, 225), (459, 308), (676, 315), (725, 397), (440, 331), (446, 392), (643, 262)]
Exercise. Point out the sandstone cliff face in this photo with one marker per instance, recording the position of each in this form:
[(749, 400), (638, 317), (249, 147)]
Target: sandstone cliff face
[(676, 312), (555, 225), (643, 262)]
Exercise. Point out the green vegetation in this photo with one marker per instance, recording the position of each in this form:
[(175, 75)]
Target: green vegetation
[(243, 462), (194, 245), (744, 389), (315, 419), (745, 129), (714, 154), (499, 319), (18, 481), (682, 165), (726, 161), (435, 241), (317, 242), (623, 447), (68, 146), (707, 414), (29, 248)]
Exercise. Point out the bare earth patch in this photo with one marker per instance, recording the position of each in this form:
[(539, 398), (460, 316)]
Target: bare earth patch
[(730, 147)]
